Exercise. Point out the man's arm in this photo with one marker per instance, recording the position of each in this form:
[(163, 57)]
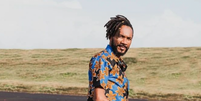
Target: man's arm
[(100, 94)]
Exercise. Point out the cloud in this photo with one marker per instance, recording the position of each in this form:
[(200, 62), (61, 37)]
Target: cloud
[(38, 24), (167, 30), (29, 24), (73, 4)]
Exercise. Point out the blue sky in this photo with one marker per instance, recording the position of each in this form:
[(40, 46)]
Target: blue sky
[(60, 24)]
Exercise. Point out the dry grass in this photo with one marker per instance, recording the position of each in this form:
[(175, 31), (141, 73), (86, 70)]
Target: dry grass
[(154, 73)]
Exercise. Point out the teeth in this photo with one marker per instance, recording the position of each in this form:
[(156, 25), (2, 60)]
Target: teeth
[(122, 47)]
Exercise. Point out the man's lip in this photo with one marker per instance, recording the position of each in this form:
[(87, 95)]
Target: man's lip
[(122, 47)]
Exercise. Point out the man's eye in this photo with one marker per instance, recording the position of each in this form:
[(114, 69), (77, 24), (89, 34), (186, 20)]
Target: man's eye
[(122, 36), (129, 38)]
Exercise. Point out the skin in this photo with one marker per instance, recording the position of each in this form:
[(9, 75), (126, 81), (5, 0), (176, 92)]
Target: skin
[(123, 38), (100, 95), (122, 41)]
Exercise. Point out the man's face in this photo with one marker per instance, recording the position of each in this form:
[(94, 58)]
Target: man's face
[(121, 42)]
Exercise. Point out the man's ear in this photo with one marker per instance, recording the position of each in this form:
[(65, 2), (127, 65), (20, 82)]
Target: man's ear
[(110, 41), (110, 38)]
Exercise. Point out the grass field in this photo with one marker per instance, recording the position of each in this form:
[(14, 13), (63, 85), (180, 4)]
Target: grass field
[(154, 73)]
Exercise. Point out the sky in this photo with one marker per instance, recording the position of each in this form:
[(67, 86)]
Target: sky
[(61, 24)]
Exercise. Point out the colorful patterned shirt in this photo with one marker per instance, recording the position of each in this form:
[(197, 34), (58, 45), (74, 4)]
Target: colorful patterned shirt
[(107, 71)]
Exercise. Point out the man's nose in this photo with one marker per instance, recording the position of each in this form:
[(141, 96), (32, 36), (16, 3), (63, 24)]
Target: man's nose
[(124, 41)]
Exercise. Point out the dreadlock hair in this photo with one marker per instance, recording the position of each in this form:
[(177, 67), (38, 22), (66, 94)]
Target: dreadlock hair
[(114, 24)]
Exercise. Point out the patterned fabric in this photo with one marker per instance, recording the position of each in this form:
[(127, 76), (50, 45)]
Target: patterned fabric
[(107, 71)]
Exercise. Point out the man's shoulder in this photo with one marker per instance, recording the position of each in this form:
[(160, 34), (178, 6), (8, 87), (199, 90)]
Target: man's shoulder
[(101, 55), (99, 58)]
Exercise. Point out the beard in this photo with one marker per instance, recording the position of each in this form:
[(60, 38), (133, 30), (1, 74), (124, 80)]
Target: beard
[(114, 48)]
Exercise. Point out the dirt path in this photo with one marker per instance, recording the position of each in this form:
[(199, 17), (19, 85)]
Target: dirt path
[(16, 96)]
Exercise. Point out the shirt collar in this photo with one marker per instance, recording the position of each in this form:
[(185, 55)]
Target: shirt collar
[(120, 61), (110, 51)]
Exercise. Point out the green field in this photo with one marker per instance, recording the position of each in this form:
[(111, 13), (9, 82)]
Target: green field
[(154, 73)]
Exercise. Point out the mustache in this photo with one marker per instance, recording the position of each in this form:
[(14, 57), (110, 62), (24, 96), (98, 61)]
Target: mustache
[(122, 45)]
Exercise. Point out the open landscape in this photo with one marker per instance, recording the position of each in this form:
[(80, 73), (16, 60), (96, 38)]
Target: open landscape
[(154, 73)]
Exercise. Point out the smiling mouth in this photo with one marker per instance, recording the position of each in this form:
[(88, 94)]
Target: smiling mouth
[(122, 48)]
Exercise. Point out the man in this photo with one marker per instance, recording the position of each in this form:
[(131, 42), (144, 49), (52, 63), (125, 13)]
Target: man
[(107, 79)]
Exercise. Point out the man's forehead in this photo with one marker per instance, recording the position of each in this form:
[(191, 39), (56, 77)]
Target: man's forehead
[(126, 30)]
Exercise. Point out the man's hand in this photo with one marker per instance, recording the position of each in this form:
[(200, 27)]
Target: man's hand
[(100, 94)]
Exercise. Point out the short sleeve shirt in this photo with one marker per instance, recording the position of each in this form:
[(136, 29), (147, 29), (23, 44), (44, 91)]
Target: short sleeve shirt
[(107, 71)]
